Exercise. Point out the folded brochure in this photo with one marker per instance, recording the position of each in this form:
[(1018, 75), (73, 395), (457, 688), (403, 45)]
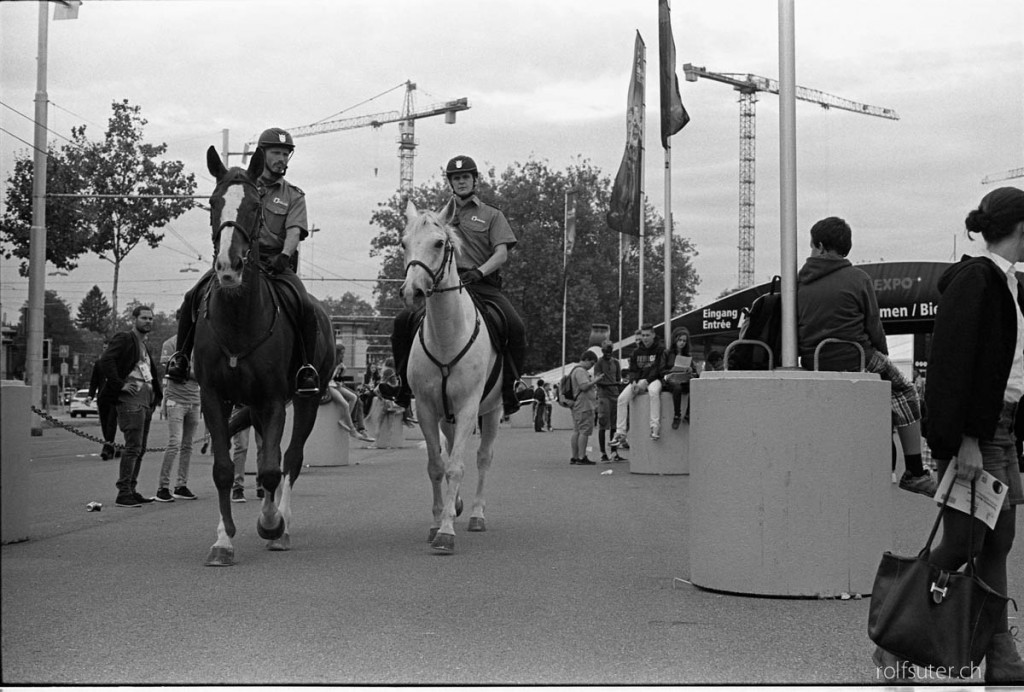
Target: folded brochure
[(989, 495)]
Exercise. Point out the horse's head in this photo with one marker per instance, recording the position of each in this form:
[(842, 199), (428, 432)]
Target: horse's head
[(234, 205), (430, 250)]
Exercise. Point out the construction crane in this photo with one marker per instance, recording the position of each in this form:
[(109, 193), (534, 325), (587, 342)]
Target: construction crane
[(748, 85), (406, 128), (1007, 175)]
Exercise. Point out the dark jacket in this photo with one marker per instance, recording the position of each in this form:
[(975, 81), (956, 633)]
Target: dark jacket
[(96, 381), (117, 363), (836, 300), (645, 363), (972, 351)]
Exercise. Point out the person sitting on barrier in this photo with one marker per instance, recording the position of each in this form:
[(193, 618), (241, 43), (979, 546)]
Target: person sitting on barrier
[(351, 420), (678, 370), (644, 375), (975, 384), (836, 300)]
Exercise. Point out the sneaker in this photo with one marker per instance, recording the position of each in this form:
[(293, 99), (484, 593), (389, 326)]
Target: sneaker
[(655, 431), (142, 500), (619, 440), (183, 493), (574, 461), (259, 494), (585, 462), (127, 501), (618, 458), (675, 422), (604, 457), (624, 444), (924, 484), (238, 495), (163, 495)]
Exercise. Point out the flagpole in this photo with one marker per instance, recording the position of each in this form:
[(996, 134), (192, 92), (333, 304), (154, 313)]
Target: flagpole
[(565, 278), (668, 245), (643, 131), (620, 297)]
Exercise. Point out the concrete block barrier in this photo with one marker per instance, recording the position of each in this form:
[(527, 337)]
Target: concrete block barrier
[(789, 488)]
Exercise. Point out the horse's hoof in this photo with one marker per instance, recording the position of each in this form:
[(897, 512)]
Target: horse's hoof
[(283, 543), (431, 534), (458, 506), (444, 543), (476, 524), (272, 533), (220, 557)]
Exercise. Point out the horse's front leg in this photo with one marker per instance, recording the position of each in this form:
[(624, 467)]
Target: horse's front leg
[(455, 468), (216, 414), (270, 524), (435, 464), (484, 456)]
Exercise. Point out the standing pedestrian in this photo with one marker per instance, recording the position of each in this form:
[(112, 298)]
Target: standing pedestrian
[(540, 400), (181, 400), (584, 404), (975, 383), (133, 385), (107, 411), (608, 389)]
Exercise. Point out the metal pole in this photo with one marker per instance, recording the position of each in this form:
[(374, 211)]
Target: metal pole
[(225, 150), (37, 234), (565, 279), (787, 165)]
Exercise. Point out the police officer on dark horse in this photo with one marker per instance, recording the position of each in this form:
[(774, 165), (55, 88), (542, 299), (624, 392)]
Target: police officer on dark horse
[(283, 225), (486, 239)]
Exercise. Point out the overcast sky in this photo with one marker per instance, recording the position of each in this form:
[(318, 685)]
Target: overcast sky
[(545, 79)]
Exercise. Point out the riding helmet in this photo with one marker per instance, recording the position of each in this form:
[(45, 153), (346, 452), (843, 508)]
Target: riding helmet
[(275, 137), (460, 164)]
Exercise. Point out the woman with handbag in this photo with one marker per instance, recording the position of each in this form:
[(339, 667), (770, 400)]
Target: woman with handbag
[(975, 381)]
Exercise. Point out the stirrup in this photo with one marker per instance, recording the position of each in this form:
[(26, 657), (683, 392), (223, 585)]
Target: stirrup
[(307, 390), (177, 367)]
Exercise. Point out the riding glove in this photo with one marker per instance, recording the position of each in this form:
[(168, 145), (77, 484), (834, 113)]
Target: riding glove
[(280, 263), (472, 276)]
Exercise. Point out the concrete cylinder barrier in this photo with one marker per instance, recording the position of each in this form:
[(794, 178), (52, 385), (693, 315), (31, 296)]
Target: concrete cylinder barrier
[(15, 435), (670, 454), (327, 444), (789, 482)]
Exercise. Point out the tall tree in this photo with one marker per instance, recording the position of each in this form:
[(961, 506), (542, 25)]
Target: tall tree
[(94, 312), (532, 196), (348, 304), (123, 176)]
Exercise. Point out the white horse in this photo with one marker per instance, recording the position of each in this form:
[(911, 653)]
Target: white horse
[(450, 364)]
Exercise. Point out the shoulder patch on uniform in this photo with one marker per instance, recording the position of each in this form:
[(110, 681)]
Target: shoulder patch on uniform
[(299, 190)]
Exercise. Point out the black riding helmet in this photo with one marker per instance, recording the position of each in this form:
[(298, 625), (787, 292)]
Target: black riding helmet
[(275, 137), (461, 164)]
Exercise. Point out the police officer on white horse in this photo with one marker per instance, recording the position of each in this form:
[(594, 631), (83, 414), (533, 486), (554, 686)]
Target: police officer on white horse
[(283, 225), (486, 240)]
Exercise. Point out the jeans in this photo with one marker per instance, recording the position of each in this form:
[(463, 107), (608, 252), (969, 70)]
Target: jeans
[(134, 420), (182, 421), (653, 389), (239, 452)]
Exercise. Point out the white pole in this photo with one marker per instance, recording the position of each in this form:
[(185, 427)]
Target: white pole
[(787, 165), (668, 245), (37, 233), (620, 296), (565, 279), (643, 133)]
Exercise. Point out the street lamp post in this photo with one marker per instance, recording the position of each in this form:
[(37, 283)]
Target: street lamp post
[(37, 237)]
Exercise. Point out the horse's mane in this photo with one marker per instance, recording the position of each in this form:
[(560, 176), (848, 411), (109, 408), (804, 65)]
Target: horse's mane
[(440, 218)]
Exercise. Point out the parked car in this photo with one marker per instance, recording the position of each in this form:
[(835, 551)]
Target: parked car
[(82, 405), (69, 394)]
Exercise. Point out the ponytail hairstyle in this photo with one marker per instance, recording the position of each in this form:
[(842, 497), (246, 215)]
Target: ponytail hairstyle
[(998, 214)]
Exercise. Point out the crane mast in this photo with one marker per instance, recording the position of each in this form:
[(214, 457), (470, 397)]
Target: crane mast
[(749, 85), (406, 128)]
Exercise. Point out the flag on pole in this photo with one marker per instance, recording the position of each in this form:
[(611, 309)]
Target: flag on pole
[(570, 222), (624, 210), (673, 115), (66, 9)]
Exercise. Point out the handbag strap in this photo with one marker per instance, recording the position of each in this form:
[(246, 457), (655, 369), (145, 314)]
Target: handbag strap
[(970, 527)]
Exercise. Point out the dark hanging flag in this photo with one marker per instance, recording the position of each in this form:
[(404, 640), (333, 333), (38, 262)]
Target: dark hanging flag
[(624, 209), (673, 115)]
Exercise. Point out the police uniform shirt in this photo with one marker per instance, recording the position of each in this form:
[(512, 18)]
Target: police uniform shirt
[(481, 228), (284, 207)]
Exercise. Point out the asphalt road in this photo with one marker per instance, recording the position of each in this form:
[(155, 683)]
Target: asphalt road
[(579, 579)]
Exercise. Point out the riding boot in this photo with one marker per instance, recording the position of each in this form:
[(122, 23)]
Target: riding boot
[(307, 379), (511, 385), (402, 335), (178, 364)]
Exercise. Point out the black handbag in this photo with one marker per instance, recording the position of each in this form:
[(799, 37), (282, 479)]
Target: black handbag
[(930, 616)]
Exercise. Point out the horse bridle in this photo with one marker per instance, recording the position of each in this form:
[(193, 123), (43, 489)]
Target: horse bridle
[(436, 275), (246, 233)]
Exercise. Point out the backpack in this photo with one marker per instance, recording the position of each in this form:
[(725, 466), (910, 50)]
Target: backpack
[(764, 323), (565, 393)]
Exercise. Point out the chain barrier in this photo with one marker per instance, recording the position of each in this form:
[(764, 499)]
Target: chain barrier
[(99, 440)]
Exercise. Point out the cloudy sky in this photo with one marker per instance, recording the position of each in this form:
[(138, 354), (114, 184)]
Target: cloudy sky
[(546, 79)]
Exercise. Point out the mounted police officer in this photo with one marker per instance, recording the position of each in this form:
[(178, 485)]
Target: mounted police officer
[(283, 225), (486, 239)]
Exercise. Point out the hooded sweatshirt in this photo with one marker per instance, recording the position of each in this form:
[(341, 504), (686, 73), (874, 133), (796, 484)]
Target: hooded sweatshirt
[(835, 300), (971, 355)]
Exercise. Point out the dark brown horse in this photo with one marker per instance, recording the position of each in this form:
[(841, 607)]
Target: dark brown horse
[(245, 351)]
